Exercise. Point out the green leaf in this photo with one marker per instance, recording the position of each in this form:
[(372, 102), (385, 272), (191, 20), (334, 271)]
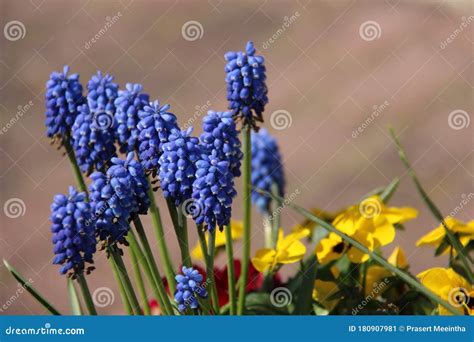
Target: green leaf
[(453, 239), (304, 300), (388, 192), (27, 285), (74, 298)]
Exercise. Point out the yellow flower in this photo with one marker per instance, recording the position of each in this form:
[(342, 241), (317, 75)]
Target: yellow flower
[(451, 287), (309, 224), (434, 238), (376, 274), (322, 292), (371, 223), (289, 249), (236, 233)]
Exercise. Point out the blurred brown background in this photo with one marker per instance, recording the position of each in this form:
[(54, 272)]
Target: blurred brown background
[(330, 65)]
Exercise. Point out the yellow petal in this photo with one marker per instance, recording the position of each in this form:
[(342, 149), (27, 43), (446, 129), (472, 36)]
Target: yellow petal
[(398, 258), (323, 290), (264, 259), (295, 252), (433, 238), (384, 232), (399, 215), (347, 221), (326, 249), (375, 275)]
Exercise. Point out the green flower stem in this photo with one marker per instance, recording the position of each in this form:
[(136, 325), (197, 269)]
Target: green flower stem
[(181, 230), (275, 216), (74, 298), (453, 239), (125, 279), (210, 269), (205, 253), (246, 146), (160, 237), (86, 294), (153, 267), (377, 258), (26, 284), (230, 269), (267, 231), (123, 293), (146, 268), (75, 168), (139, 282)]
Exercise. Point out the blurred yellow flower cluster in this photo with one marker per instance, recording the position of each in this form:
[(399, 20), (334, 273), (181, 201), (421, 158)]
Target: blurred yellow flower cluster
[(451, 287), (371, 223)]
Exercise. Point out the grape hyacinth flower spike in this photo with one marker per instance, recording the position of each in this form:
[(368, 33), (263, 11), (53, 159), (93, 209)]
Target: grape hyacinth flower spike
[(220, 134), (63, 97), (128, 103), (155, 126), (102, 92), (246, 85), (189, 287), (267, 169), (73, 237), (93, 142), (178, 165), (116, 196)]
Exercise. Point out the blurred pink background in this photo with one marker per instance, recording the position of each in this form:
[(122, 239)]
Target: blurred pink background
[(330, 65)]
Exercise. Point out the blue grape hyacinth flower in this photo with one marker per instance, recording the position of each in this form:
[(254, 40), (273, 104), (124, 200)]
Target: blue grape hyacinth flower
[(155, 126), (116, 196), (189, 286), (102, 92), (63, 97), (220, 134), (128, 103), (246, 85), (267, 168), (74, 240), (93, 139), (213, 191), (178, 165)]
